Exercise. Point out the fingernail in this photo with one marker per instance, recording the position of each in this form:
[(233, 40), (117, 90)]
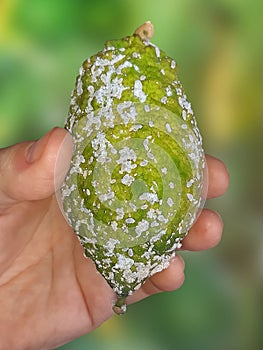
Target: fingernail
[(36, 149)]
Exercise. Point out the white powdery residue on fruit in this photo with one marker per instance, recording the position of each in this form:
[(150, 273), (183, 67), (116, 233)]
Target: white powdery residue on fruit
[(99, 145), (94, 183), (153, 190), (142, 270), (96, 70), (144, 162), (162, 71), (110, 276), (136, 68), (107, 116), (68, 210), (151, 214), (76, 164), (130, 252), (185, 104), (120, 213), (168, 127), (163, 263), (146, 108), (115, 59), (125, 228), (162, 218), (136, 55), (127, 180), (149, 197), (133, 207), (197, 133), (164, 170), (81, 71), (111, 48), (157, 237), (87, 191), (177, 245), (190, 197), (171, 185), (151, 124), (170, 202), (195, 158), (155, 223), (114, 225), (110, 246), (164, 100), (127, 111), (91, 89), (186, 144), (112, 88), (157, 50), (116, 88), (189, 183), (152, 157), (138, 91), (168, 90), (79, 87), (127, 160), (106, 196), (184, 114), (142, 77), (130, 221), (106, 263), (146, 144), (141, 227), (129, 276), (92, 123), (184, 126), (173, 64), (136, 127), (66, 191), (102, 62), (123, 263), (126, 64), (147, 255), (179, 91), (191, 138)]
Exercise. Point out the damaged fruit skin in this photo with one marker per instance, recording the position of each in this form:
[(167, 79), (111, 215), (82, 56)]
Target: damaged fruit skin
[(134, 186)]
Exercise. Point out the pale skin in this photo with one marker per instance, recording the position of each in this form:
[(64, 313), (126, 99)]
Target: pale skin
[(49, 293)]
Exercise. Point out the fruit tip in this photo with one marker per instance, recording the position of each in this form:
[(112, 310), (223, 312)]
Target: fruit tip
[(119, 310), (120, 306)]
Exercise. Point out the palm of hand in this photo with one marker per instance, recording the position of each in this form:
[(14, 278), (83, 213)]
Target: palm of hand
[(43, 278)]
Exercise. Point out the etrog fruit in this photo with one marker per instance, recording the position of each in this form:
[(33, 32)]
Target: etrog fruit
[(134, 186)]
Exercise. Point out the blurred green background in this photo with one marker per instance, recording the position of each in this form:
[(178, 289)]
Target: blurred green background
[(218, 46)]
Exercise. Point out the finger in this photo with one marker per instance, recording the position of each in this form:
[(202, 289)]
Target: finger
[(206, 233), (167, 280), (27, 169), (218, 177)]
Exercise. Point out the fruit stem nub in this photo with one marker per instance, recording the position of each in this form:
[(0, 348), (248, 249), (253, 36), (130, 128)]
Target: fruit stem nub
[(145, 31), (120, 306)]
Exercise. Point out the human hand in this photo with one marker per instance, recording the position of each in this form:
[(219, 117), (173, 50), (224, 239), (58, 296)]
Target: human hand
[(49, 293)]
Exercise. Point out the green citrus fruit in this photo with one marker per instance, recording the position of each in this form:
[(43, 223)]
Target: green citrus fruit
[(134, 186)]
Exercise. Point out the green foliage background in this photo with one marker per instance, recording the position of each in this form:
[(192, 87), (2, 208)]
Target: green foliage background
[(219, 49)]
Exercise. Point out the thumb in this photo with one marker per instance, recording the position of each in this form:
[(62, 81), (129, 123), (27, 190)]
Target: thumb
[(28, 169)]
